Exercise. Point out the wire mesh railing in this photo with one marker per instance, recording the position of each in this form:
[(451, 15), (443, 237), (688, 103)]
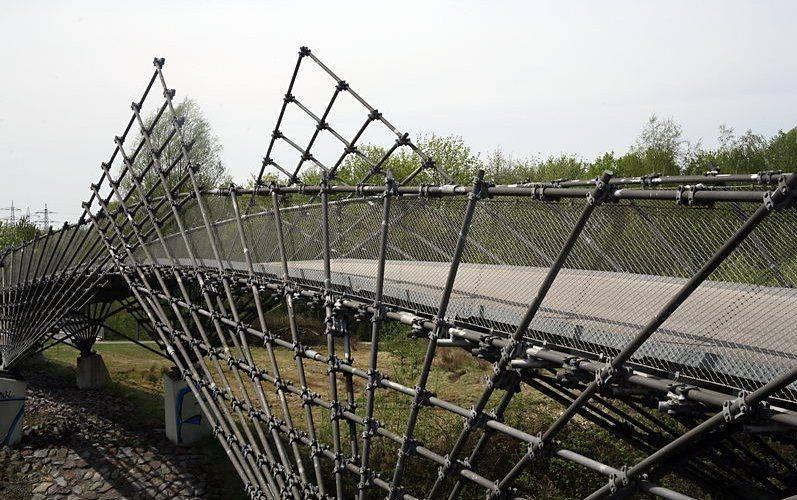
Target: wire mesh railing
[(606, 295)]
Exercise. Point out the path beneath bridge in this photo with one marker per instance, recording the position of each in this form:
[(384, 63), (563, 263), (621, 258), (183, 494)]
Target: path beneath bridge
[(85, 445)]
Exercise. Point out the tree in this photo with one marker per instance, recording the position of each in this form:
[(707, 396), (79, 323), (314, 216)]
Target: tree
[(204, 150), (450, 153), (502, 168), (735, 154), (659, 148), (12, 235), (782, 151)]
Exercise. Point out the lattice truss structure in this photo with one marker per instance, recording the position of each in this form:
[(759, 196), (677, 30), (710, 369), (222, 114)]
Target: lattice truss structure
[(661, 309)]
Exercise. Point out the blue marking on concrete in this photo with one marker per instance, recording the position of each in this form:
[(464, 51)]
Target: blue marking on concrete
[(16, 421), (193, 420)]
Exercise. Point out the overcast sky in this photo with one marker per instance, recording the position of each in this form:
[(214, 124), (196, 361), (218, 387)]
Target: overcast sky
[(529, 77)]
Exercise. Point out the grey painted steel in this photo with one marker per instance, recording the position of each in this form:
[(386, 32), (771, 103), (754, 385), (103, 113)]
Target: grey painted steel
[(618, 298)]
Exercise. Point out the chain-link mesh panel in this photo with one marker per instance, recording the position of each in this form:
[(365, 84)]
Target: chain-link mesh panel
[(548, 286)]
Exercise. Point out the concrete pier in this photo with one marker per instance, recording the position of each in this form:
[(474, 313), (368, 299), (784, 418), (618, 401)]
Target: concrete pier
[(91, 372), (185, 423), (12, 408)]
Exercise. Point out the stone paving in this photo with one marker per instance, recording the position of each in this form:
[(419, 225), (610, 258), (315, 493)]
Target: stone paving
[(81, 445)]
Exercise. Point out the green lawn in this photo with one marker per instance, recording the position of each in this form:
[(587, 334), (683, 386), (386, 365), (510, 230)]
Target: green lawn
[(137, 375), (456, 377)]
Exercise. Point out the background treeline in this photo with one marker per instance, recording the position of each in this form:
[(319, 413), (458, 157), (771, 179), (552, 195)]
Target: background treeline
[(20, 231), (660, 148)]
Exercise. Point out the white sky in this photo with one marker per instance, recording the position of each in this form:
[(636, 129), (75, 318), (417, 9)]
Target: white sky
[(532, 78)]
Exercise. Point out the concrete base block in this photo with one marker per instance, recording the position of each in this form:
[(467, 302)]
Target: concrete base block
[(12, 409), (91, 372), (185, 423)]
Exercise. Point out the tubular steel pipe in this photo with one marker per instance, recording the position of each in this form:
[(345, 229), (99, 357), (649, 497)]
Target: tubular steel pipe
[(779, 196), (697, 195), (376, 325), (46, 280), (491, 424), (764, 178), (420, 389), (295, 337), (329, 322), (507, 353)]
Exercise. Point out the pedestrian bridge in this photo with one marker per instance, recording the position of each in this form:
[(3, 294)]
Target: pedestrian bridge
[(662, 309)]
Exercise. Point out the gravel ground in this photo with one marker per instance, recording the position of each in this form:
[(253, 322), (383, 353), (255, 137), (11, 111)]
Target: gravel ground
[(82, 445)]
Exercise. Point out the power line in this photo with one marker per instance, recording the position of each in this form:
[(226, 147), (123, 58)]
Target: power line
[(45, 220), (12, 219)]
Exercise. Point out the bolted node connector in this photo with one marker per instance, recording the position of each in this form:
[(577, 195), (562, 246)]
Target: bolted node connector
[(505, 380), (136, 107), (374, 380), (619, 480), (375, 115), (736, 409), (481, 188), (476, 419), (769, 204), (685, 195), (769, 176), (391, 189), (158, 62), (537, 448), (417, 329), (342, 86), (289, 98), (784, 195), (538, 192), (322, 125), (602, 192), (403, 139), (649, 179), (304, 51), (276, 134), (422, 397), (169, 93), (371, 426), (609, 375)]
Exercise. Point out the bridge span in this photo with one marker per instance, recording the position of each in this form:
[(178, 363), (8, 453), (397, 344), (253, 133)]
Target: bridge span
[(660, 308)]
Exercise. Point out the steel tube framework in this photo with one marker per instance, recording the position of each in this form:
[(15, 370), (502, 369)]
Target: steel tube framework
[(658, 308)]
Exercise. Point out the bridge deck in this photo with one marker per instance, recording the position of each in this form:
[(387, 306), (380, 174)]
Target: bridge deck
[(722, 333)]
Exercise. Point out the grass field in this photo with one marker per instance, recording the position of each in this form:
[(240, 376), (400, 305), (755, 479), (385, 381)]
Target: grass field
[(456, 377)]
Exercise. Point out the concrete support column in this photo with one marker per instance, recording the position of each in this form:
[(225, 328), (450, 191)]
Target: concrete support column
[(185, 423), (91, 372), (12, 408)]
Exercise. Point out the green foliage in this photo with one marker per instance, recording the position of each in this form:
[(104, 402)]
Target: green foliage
[(12, 235), (450, 152), (660, 148), (205, 149)]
